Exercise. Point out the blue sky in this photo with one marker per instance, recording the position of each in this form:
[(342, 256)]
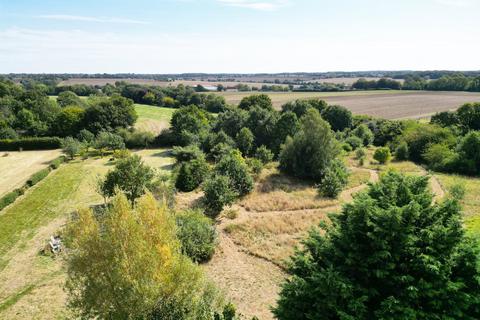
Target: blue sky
[(244, 36)]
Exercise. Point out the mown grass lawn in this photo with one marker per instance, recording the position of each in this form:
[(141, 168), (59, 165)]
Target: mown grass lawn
[(471, 202), (40, 204)]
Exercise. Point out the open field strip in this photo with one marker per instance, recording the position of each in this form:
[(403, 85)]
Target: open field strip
[(31, 285), (16, 167)]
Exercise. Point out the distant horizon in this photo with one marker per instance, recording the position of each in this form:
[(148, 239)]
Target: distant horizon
[(240, 73), (237, 36)]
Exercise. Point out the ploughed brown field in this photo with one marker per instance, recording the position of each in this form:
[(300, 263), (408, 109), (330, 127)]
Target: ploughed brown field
[(384, 104)]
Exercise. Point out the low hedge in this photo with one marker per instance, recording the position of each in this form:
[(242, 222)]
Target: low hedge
[(38, 176), (34, 143), (57, 162), (10, 198)]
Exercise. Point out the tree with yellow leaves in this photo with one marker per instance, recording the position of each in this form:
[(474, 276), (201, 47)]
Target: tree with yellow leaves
[(128, 264)]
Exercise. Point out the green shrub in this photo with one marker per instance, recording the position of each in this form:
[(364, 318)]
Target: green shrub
[(336, 178), (234, 167), (197, 235), (191, 174), (355, 142), (55, 164), (263, 154), (401, 152), (34, 143), (382, 155), (10, 198), (255, 166), (188, 153), (438, 156), (364, 133), (218, 194), (38, 176), (71, 147), (244, 140)]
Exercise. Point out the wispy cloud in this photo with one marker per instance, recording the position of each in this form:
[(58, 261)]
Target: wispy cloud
[(256, 4), (67, 17), (456, 3)]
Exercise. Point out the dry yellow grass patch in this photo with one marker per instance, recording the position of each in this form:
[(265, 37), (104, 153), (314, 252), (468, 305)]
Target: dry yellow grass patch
[(16, 167), (274, 236), (278, 192)]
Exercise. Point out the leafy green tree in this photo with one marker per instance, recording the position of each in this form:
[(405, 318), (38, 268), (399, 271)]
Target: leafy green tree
[(382, 155), (234, 167), (188, 153), (469, 116), (197, 235), (340, 118), (132, 176), (309, 153), (391, 254), (110, 141), (262, 122), (191, 174), (68, 99), (218, 193), (419, 136), (469, 151), (108, 114), (287, 125), (231, 121), (128, 265), (245, 141), (188, 123), (260, 100), (335, 179), (69, 121), (71, 147)]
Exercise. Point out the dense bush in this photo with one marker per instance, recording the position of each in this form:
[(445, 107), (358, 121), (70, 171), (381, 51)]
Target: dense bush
[(309, 153), (197, 235), (354, 142), (419, 136), (260, 100), (34, 143), (382, 155), (188, 153), (55, 164), (38, 176), (263, 154), (439, 156), (191, 174), (335, 179), (401, 152), (188, 124), (255, 166), (363, 133), (234, 167), (391, 254), (218, 193)]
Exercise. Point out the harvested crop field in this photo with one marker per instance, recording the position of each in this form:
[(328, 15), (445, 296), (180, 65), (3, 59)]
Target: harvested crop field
[(151, 82), (16, 167), (386, 104)]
